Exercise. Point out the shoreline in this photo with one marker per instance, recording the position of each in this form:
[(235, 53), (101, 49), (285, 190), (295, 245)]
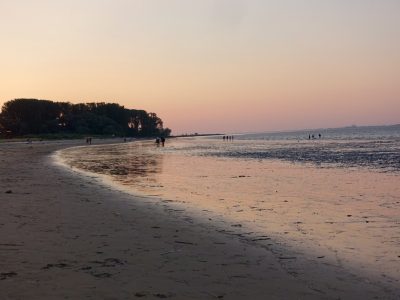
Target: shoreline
[(65, 235)]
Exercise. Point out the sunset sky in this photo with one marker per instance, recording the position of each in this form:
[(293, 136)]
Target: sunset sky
[(210, 65)]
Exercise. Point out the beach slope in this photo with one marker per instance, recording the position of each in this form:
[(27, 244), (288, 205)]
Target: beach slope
[(65, 236)]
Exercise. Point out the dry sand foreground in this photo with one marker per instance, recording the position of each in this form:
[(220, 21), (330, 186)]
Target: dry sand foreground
[(68, 237)]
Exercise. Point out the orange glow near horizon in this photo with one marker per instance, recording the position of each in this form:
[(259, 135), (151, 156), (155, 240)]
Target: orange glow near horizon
[(212, 65)]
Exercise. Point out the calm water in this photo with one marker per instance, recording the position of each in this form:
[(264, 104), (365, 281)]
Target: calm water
[(375, 148), (334, 200), (370, 147)]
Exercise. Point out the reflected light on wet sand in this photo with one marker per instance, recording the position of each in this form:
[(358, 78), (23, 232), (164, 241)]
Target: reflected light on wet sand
[(348, 218)]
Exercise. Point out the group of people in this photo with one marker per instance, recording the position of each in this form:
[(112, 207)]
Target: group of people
[(227, 137), (312, 136), (89, 140), (160, 140)]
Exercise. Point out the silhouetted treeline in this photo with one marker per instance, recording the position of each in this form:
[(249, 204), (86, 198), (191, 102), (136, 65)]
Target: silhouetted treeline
[(33, 117)]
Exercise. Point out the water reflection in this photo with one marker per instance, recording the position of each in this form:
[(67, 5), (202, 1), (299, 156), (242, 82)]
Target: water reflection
[(340, 215), (130, 164)]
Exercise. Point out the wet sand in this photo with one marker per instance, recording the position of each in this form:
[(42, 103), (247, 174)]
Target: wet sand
[(68, 236)]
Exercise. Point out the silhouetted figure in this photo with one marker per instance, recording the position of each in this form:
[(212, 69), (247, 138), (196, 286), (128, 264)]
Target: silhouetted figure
[(313, 137), (90, 141), (223, 138), (319, 135), (162, 141), (309, 137), (158, 141)]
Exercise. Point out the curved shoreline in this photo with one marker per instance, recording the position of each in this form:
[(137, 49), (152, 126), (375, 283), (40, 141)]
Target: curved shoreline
[(63, 237)]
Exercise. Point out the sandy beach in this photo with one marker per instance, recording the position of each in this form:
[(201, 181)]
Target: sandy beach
[(68, 236)]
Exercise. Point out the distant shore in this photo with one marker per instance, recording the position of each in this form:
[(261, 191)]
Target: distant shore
[(67, 236)]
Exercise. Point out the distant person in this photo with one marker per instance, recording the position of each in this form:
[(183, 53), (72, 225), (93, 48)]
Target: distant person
[(223, 138), (163, 141), (158, 141), (90, 141), (313, 137), (319, 135), (309, 136)]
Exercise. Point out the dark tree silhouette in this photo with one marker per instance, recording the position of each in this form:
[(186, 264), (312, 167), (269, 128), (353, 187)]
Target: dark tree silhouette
[(31, 116)]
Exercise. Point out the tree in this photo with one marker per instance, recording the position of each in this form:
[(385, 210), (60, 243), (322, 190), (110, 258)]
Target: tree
[(31, 116)]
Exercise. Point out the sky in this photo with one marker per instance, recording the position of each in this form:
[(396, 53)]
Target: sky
[(210, 65)]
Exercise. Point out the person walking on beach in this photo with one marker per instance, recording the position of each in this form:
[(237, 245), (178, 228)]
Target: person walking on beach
[(162, 141), (158, 141)]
